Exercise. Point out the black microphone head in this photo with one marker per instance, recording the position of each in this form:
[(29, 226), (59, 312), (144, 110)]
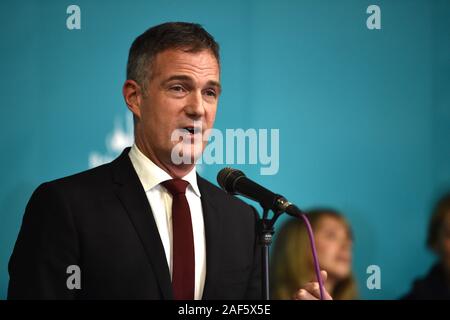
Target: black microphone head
[(227, 177)]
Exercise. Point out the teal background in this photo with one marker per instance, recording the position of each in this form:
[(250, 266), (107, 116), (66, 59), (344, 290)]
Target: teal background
[(364, 115)]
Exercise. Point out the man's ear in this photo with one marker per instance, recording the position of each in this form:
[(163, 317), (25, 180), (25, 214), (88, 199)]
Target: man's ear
[(132, 93)]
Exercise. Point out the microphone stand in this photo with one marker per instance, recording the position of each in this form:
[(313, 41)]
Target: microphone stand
[(265, 231), (227, 179)]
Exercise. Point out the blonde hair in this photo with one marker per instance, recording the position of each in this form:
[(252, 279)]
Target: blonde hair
[(291, 260)]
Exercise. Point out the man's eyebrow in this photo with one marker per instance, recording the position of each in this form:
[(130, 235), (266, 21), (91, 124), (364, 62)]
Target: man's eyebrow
[(177, 77), (189, 79)]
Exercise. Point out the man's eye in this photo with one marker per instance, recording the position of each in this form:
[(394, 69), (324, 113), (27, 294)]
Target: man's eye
[(211, 93), (177, 88)]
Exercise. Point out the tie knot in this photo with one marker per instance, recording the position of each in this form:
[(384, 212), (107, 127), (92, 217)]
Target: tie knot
[(175, 186)]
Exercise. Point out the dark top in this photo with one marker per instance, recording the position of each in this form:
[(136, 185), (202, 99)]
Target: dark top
[(434, 286), (101, 221)]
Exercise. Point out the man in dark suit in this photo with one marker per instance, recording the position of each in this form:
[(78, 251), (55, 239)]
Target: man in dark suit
[(101, 221), (146, 226), (115, 222)]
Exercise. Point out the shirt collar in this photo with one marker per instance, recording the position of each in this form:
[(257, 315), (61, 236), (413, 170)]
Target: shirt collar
[(151, 175)]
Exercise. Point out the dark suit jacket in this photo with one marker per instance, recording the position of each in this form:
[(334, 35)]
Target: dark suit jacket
[(101, 221)]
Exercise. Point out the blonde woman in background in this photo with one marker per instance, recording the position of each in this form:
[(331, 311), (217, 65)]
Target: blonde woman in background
[(292, 261)]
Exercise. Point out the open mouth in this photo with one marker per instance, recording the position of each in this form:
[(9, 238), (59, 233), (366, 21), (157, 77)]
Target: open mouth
[(192, 129)]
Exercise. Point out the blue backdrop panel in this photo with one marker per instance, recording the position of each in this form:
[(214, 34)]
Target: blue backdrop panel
[(364, 115)]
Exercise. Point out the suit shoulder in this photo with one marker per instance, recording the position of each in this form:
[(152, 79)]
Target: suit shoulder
[(84, 180)]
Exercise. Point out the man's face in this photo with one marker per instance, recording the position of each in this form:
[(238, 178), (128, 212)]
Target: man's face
[(183, 91)]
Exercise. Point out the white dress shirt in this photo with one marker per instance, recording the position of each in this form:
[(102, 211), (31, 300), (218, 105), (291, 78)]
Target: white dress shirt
[(160, 201)]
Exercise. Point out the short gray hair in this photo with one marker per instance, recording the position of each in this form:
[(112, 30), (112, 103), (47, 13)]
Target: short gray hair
[(189, 37)]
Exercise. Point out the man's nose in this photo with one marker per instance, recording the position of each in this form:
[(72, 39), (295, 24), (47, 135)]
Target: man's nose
[(194, 105)]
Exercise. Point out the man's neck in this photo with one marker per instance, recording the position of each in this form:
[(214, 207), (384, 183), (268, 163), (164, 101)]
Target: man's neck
[(175, 171)]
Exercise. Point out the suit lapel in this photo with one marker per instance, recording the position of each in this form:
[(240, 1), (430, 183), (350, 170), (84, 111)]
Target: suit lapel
[(133, 197), (212, 216)]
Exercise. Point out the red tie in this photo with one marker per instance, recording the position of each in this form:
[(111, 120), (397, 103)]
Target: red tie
[(183, 269)]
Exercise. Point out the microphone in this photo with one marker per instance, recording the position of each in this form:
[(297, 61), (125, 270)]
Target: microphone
[(236, 182)]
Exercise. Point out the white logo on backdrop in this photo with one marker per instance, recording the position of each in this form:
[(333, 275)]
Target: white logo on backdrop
[(120, 138), (252, 146)]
